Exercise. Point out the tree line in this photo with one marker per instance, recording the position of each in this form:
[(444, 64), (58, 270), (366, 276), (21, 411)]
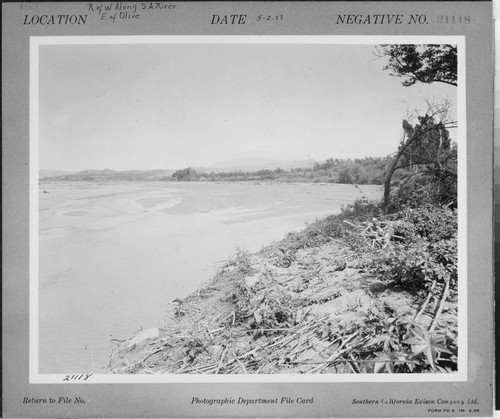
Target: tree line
[(364, 171)]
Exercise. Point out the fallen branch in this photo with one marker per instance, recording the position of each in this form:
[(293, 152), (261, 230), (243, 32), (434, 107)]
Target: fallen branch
[(221, 359), (441, 305), (429, 295), (335, 354), (239, 362)]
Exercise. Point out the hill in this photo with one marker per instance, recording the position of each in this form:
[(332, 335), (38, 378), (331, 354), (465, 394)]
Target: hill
[(253, 164), (47, 173), (107, 175)]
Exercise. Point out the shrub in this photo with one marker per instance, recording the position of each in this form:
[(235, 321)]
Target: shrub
[(439, 189), (428, 252)]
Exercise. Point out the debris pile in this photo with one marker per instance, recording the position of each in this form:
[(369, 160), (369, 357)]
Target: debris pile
[(290, 310)]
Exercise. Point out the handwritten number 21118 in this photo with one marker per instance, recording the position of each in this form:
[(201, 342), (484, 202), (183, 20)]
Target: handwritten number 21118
[(77, 377)]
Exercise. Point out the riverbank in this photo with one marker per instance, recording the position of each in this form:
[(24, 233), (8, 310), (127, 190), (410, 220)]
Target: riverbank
[(122, 251), (332, 298)]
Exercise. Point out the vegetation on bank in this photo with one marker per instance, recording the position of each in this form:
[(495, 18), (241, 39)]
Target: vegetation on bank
[(363, 291), (373, 289), (365, 171)]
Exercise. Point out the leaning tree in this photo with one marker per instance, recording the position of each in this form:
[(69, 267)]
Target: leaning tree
[(426, 158), (425, 150)]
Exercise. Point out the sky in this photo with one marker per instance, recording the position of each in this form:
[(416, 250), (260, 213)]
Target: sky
[(169, 106)]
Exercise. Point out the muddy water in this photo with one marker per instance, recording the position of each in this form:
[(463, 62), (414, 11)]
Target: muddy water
[(112, 255)]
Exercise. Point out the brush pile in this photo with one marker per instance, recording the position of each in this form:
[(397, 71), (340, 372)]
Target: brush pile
[(325, 300)]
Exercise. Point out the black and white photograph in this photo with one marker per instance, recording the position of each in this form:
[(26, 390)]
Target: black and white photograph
[(248, 209), (238, 208)]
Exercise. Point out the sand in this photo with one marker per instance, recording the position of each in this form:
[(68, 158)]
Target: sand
[(112, 255)]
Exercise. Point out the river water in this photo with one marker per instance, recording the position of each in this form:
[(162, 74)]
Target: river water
[(111, 256)]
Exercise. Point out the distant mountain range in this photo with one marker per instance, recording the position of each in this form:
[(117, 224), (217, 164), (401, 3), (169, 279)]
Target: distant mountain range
[(260, 164), (245, 165), (107, 175), (44, 173)]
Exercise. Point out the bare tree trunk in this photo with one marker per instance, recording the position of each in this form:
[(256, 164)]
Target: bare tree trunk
[(388, 178), (401, 151)]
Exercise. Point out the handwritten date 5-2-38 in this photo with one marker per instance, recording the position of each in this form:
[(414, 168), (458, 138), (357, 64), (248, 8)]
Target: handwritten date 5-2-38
[(270, 18)]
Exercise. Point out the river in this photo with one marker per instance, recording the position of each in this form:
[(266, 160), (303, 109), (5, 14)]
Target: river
[(111, 256)]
